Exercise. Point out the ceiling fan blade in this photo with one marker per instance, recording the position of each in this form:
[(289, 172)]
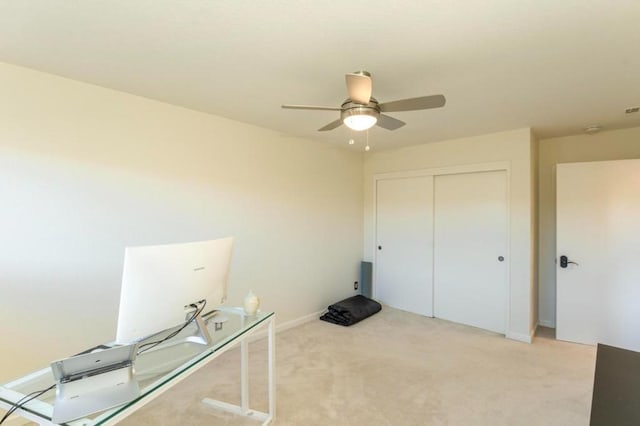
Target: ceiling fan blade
[(389, 123), (413, 104), (322, 108), (359, 88), (331, 125)]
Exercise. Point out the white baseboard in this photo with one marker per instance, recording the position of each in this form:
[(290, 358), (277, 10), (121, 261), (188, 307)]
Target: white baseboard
[(287, 325), (298, 321), (520, 337), (547, 323)]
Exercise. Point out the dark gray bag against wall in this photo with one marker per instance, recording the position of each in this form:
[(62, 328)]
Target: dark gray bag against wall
[(351, 310)]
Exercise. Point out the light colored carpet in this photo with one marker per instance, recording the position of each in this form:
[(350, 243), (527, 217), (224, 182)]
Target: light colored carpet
[(394, 368)]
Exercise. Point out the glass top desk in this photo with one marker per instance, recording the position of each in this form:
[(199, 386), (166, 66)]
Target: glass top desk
[(159, 368)]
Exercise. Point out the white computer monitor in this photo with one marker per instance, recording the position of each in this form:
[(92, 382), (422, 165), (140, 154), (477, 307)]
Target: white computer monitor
[(160, 282)]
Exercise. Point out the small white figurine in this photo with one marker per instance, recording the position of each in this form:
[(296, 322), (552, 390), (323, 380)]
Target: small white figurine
[(251, 303)]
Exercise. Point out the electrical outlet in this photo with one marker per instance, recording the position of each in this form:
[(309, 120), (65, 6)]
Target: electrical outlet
[(355, 285)]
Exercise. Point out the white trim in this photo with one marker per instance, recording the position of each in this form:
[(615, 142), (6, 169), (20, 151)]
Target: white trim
[(546, 323), (299, 321), (507, 322), (287, 325), (450, 170), (459, 169), (520, 337), (433, 247), (374, 260)]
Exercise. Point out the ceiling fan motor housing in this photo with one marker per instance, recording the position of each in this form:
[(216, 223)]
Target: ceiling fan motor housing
[(350, 108)]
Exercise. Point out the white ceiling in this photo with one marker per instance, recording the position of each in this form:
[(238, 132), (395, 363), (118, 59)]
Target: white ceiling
[(554, 65)]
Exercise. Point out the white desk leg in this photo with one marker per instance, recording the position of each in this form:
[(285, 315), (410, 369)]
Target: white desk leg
[(243, 409), (244, 375), (272, 369)]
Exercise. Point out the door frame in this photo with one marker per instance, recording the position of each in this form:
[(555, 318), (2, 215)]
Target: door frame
[(451, 170)]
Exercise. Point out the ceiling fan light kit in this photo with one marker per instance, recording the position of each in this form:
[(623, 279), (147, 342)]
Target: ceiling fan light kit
[(359, 117), (361, 111)]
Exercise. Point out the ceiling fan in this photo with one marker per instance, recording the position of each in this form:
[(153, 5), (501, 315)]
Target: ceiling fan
[(361, 111)]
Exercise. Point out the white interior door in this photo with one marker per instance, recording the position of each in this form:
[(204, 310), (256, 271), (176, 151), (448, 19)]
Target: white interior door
[(404, 244), (598, 227), (470, 249)]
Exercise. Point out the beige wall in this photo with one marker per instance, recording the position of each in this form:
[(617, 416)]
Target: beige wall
[(86, 171), (514, 147), (612, 145)]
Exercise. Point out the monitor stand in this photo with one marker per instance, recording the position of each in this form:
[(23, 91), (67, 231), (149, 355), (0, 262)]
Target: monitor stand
[(202, 336)]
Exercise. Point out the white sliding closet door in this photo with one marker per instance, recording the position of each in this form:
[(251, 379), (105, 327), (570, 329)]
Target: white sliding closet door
[(404, 246), (470, 249)]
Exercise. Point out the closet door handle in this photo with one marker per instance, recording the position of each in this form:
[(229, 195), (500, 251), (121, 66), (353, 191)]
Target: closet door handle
[(379, 247)]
